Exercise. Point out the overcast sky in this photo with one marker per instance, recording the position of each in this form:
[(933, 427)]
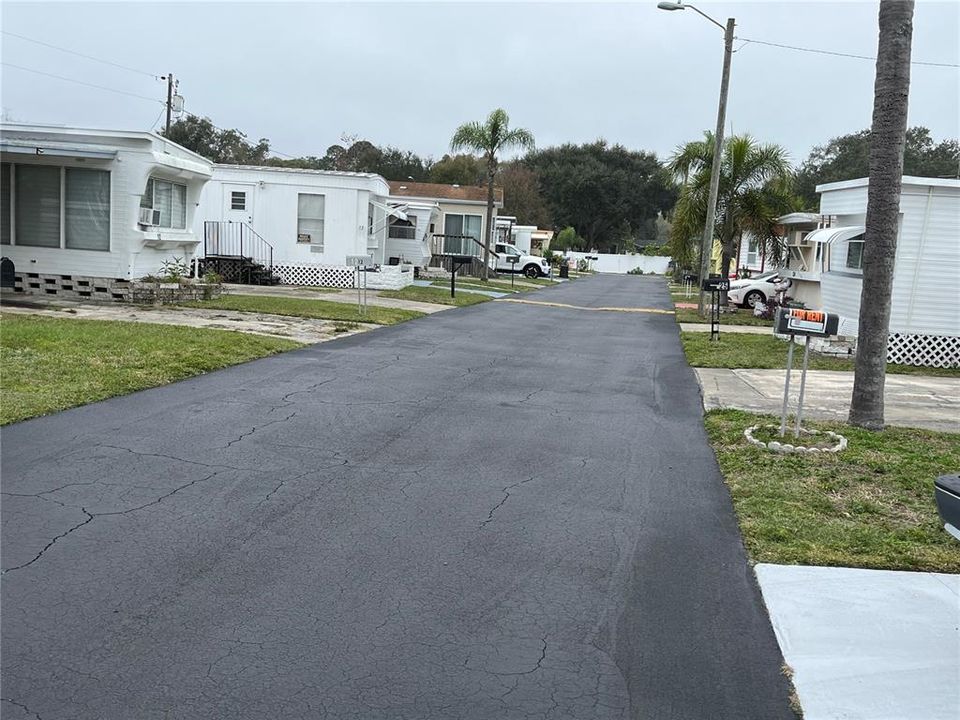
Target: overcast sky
[(406, 74)]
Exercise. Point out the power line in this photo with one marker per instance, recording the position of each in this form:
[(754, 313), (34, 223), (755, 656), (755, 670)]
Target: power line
[(80, 54), (837, 54), (82, 82)]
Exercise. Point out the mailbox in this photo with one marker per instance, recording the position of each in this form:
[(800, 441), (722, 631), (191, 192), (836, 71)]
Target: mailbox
[(716, 284), (813, 323)]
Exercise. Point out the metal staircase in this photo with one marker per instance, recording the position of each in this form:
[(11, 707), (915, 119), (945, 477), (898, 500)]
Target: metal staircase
[(237, 253)]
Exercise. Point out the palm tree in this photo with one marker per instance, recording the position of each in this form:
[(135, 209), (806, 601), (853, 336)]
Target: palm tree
[(488, 139), (887, 139), (755, 189)]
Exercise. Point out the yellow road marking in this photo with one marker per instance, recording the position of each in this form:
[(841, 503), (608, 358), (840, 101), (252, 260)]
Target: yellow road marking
[(655, 311)]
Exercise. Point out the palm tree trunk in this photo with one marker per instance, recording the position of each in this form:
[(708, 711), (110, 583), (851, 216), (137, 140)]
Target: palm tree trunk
[(887, 136), (491, 173)]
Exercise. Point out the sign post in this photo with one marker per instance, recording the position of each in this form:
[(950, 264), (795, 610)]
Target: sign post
[(808, 323), (362, 264), (716, 285), (513, 260)]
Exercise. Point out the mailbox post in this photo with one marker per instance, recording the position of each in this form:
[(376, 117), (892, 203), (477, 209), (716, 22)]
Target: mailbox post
[(715, 284), (362, 264), (808, 323), (513, 260)]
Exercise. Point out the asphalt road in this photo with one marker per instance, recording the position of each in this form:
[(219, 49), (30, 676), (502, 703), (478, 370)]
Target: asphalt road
[(501, 511)]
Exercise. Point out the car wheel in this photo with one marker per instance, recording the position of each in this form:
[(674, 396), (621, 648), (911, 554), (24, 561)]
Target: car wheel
[(752, 298), (531, 271)]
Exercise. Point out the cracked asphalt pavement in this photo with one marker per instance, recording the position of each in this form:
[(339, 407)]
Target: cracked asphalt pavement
[(501, 511)]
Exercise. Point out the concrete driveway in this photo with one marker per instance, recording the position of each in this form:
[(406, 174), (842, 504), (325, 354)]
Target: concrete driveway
[(502, 511)]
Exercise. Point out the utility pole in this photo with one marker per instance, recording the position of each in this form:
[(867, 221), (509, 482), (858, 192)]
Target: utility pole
[(706, 246), (169, 102)]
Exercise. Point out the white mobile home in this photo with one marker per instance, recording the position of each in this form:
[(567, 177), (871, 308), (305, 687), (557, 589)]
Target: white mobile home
[(925, 318), (302, 223), (86, 211)]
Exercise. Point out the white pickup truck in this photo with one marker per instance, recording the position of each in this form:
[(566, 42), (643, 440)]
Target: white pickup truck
[(530, 265)]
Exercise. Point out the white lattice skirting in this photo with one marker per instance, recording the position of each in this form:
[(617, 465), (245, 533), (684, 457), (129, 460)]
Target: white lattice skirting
[(315, 275), (941, 351)]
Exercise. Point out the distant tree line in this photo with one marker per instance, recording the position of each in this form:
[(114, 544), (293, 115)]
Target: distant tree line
[(609, 197)]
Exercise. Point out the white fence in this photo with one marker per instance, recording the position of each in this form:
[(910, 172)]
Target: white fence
[(608, 263)]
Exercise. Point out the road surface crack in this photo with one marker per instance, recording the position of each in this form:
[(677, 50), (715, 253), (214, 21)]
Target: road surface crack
[(506, 496), (22, 706)]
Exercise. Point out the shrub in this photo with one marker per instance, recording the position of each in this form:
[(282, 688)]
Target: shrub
[(635, 271)]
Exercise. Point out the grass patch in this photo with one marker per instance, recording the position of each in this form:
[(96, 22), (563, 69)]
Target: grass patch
[(870, 506), (743, 317), (51, 364), (767, 352), (435, 295), (306, 308)]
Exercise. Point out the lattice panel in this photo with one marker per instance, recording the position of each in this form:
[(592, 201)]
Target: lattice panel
[(941, 351), (315, 275)]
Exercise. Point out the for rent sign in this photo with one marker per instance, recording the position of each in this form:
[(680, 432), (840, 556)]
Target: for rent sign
[(798, 321)]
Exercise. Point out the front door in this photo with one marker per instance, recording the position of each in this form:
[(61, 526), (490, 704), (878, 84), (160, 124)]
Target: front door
[(238, 202)]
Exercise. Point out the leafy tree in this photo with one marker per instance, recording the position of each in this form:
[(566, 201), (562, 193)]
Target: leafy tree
[(458, 170), (220, 146), (567, 239), (846, 158), (522, 197), (488, 139), (887, 140), (597, 187), (755, 189)]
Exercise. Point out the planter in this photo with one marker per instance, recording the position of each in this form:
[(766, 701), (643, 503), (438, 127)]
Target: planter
[(783, 447)]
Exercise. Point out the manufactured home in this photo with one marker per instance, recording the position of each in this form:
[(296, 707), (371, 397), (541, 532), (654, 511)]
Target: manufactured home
[(458, 222), (826, 267), (86, 211), (304, 225)]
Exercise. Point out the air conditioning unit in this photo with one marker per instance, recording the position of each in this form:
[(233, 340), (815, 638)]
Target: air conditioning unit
[(149, 216)]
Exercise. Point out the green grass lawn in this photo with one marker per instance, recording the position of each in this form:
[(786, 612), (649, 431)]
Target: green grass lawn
[(435, 295), (495, 285), (869, 506), (741, 317), (767, 352), (51, 364), (306, 308)]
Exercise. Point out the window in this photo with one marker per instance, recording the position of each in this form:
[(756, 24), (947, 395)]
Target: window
[(5, 169), (238, 200), (38, 205), (310, 220), (168, 201), (465, 226), (751, 252), (402, 229), (855, 254), (87, 204)]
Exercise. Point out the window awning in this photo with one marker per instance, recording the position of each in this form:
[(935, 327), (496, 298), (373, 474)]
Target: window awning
[(54, 151), (833, 234)]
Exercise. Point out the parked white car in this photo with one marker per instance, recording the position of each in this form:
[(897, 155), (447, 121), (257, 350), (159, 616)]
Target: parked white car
[(530, 265), (750, 291)]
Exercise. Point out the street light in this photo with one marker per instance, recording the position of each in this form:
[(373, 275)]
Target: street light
[(706, 246)]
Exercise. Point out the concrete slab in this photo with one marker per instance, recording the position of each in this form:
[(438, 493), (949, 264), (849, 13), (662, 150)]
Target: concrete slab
[(867, 644), (334, 295), (744, 329), (305, 330), (910, 400)]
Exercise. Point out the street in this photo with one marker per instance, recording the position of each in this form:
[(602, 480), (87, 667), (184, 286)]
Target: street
[(508, 510)]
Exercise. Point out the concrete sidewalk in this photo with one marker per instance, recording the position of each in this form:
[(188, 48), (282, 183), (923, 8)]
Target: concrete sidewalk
[(867, 644), (724, 329), (911, 400)]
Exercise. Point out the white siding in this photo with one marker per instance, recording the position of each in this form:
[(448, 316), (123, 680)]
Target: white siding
[(134, 250), (346, 200)]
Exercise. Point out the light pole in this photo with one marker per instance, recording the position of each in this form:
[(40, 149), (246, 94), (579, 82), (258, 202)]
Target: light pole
[(706, 245)]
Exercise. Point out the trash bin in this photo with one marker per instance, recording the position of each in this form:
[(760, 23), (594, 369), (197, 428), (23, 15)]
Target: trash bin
[(564, 270), (946, 491)]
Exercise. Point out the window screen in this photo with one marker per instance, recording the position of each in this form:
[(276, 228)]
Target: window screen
[(310, 219), (38, 205), (87, 209), (170, 199), (855, 255)]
